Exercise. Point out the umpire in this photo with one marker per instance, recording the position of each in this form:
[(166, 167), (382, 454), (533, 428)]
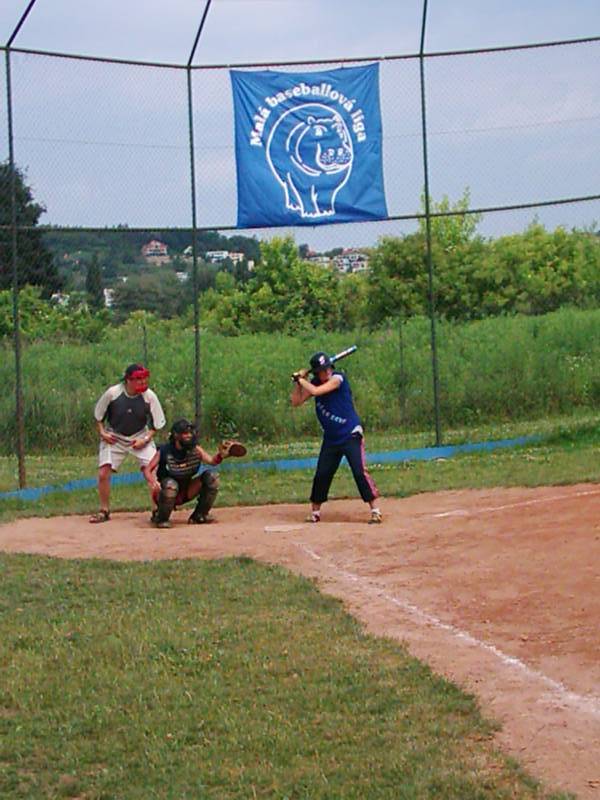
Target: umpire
[(127, 417)]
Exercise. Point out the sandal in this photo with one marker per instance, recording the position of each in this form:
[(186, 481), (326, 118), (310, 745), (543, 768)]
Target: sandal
[(100, 516)]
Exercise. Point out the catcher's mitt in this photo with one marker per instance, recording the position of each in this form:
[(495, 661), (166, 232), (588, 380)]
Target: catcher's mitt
[(232, 448)]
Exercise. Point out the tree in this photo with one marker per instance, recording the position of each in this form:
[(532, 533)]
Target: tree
[(159, 292), (453, 231), (539, 271), (93, 284), (35, 263), (285, 294), (397, 278)]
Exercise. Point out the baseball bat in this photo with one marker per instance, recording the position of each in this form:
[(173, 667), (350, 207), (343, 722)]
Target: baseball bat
[(337, 357), (347, 352)]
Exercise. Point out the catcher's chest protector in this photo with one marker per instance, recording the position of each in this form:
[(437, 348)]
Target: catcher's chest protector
[(179, 464), (128, 415)]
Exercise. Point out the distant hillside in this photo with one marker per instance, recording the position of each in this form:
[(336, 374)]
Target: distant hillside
[(125, 246)]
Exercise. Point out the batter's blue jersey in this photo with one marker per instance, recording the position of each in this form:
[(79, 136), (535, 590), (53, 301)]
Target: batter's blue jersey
[(336, 412)]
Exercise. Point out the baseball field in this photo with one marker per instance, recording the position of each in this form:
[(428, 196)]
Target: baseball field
[(261, 656), (237, 624)]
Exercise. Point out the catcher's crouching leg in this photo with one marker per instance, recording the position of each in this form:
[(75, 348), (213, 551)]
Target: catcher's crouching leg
[(166, 501), (206, 498)]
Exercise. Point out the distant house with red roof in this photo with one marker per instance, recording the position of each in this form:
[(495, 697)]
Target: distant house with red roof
[(155, 252)]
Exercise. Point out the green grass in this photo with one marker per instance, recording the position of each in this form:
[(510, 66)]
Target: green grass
[(567, 453), (226, 679)]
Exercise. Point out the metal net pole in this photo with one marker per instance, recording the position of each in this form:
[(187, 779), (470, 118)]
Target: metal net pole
[(197, 385), (19, 406), (434, 358), (195, 282)]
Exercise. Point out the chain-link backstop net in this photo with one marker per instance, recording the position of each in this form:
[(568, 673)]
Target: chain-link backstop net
[(114, 153)]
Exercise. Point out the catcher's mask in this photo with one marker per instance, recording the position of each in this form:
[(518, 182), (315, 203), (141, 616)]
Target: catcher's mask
[(320, 361), (181, 429), (139, 374)]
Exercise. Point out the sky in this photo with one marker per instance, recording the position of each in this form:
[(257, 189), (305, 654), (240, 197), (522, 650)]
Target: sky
[(107, 144)]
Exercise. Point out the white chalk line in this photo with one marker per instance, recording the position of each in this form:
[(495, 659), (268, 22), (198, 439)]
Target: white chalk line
[(589, 704), (462, 512)]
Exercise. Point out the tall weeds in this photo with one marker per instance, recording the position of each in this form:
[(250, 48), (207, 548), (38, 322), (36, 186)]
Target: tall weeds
[(506, 368)]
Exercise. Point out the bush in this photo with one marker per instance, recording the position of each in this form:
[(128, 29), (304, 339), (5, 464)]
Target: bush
[(43, 320)]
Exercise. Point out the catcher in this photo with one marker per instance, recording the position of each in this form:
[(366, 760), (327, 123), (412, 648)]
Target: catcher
[(176, 479)]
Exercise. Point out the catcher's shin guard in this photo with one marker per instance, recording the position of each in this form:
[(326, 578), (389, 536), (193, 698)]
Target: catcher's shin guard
[(208, 494), (166, 499)]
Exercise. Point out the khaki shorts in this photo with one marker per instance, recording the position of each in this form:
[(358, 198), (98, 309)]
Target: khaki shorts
[(114, 454)]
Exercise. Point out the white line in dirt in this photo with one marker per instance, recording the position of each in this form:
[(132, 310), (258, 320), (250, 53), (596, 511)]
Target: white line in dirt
[(309, 551), (589, 704), (283, 528), (462, 512)]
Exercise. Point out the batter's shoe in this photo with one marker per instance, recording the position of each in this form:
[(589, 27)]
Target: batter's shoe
[(164, 523), (376, 517), (314, 516)]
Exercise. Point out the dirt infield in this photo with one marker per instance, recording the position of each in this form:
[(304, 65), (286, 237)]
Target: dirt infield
[(499, 590)]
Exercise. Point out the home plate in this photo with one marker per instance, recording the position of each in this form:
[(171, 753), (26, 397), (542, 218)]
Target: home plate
[(283, 528)]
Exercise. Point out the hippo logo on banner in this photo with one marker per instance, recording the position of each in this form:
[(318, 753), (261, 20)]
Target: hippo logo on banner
[(308, 147)]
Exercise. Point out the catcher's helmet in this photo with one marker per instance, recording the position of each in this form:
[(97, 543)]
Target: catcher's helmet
[(184, 426), (320, 361)]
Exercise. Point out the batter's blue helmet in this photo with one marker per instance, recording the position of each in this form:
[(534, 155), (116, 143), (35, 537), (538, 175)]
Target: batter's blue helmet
[(320, 361)]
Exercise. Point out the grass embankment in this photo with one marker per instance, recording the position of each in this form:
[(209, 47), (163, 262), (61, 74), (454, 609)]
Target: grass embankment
[(493, 371), (221, 680)]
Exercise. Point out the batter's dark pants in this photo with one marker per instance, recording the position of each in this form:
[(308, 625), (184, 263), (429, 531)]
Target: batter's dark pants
[(329, 460)]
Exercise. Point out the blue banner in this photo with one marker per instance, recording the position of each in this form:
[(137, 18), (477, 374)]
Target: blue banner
[(308, 146)]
